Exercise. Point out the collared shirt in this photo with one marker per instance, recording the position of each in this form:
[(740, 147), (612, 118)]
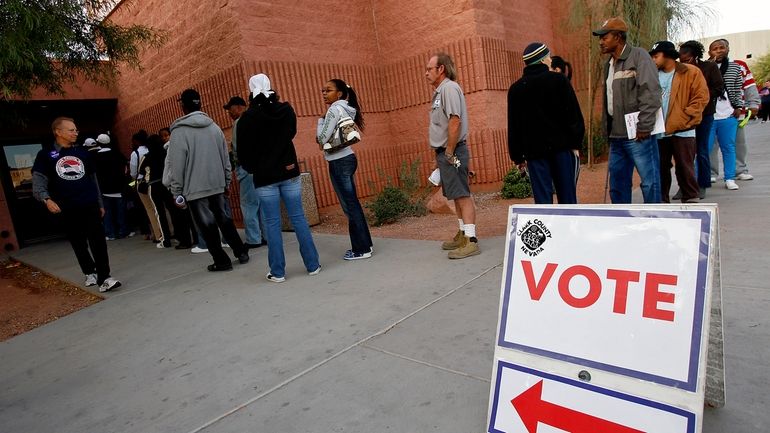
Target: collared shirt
[(448, 100), (610, 77)]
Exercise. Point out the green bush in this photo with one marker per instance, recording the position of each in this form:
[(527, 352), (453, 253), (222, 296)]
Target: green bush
[(395, 202), (516, 185)]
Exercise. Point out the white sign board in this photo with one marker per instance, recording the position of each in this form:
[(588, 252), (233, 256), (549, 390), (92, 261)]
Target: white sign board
[(617, 291), (530, 401)]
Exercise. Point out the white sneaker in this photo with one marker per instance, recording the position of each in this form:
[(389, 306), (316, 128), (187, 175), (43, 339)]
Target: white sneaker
[(273, 278), (198, 250), (109, 284), (744, 176), (224, 245), (90, 280), (316, 272), (731, 185), (713, 179)]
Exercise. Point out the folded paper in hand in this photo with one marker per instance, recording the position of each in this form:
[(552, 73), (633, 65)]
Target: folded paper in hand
[(633, 118)]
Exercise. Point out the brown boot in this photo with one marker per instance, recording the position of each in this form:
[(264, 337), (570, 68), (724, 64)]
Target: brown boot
[(467, 249), (455, 243)]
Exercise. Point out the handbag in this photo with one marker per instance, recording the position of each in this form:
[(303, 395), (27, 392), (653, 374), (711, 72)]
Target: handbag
[(345, 134)]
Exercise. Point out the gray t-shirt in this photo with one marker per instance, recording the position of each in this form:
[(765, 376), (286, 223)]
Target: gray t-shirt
[(448, 100)]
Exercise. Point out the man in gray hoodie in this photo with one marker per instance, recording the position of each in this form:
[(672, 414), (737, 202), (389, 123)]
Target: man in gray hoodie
[(200, 176)]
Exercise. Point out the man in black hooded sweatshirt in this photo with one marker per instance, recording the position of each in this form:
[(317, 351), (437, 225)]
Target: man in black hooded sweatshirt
[(545, 128)]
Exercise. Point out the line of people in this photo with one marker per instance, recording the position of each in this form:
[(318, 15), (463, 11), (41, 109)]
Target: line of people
[(659, 106)]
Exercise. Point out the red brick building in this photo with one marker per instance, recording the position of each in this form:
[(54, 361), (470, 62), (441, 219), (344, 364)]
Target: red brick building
[(380, 47)]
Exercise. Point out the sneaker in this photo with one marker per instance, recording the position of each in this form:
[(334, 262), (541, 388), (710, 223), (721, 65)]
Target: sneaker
[(467, 249), (109, 284), (316, 272), (678, 195), (109, 238), (198, 250), (274, 279), (731, 185), (713, 179), (224, 245), (455, 243), (131, 234), (350, 255), (744, 176), (164, 244), (90, 280)]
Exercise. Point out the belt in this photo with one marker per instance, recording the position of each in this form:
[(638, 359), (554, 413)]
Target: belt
[(442, 149)]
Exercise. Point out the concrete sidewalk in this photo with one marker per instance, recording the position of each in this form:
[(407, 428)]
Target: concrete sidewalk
[(399, 343)]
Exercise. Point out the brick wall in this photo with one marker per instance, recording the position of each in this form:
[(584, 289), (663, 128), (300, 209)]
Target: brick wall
[(379, 47)]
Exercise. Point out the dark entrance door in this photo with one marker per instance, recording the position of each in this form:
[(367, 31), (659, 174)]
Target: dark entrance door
[(31, 219)]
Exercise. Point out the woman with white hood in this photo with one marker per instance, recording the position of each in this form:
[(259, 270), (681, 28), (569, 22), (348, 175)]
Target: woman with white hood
[(265, 134), (343, 101)]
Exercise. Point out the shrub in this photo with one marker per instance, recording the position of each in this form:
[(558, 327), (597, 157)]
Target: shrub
[(395, 202), (516, 185)]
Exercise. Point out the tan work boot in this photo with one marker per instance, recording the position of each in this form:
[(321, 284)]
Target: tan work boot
[(455, 243), (467, 249)]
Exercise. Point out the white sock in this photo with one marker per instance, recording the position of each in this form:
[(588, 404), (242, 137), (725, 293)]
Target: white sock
[(462, 224), (470, 230)]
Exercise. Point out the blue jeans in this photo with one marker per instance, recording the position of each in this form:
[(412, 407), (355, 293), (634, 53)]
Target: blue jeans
[(561, 171), (114, 217), (342, 172), (249, 206), (624, 156), (725, 130), (270, 196), (702, 159)]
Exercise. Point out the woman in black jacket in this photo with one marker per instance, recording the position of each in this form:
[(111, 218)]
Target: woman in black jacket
[(265, 134)]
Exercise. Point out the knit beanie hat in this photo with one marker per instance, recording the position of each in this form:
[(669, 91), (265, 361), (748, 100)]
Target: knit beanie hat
[(535, 52)]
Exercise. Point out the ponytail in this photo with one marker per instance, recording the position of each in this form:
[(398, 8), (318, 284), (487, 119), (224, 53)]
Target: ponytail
[(349, 95)]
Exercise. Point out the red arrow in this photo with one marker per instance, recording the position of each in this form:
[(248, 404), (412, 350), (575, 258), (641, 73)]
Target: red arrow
[(532, 409)]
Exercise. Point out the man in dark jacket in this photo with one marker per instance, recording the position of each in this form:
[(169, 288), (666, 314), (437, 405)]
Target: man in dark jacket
[(545, 128), (631, 87), (64, 180), (111, 172), (200, 173), (691, 52)]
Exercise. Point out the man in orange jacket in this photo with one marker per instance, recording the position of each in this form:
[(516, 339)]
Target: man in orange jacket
[(685, 95)]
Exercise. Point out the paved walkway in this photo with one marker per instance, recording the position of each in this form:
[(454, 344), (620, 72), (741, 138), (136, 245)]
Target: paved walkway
[(399, 343)]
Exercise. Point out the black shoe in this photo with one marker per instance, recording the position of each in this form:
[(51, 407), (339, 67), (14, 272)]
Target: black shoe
[(252, 246), (183, 247), (217, 268), (244, 258), (702, 193)]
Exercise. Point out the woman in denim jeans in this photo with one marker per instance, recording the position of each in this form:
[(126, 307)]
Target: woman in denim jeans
[(265, 134), (343, 101)]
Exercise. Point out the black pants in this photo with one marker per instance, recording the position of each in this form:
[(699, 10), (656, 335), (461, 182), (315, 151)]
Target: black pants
[(682, 150), (211, 215), (164, 201), (84, 229), (561, 171)]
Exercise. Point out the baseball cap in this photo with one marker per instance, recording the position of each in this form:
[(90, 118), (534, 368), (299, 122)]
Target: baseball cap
[(235, 100), (103, 139), (190, 97), (90, 142), (665, 47), (613, 24)]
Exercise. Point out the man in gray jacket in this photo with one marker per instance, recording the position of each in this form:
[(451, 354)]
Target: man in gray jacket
[(631, 86), (199, 177)]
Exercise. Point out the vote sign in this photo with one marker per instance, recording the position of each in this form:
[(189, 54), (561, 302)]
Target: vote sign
[(621, 290)]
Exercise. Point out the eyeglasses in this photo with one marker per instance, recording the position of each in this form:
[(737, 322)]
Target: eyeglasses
[(69, 130), (432, 67)]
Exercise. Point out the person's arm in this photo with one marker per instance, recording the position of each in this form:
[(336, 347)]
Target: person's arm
[(715, 82), (40, 191), (99, 199), (699, 97), (134, 164), (751, 96), (176, 161), (327, 125), (453, 134), (225, 160), (649, 96), (574, 117), (514, 142), (247, 138)]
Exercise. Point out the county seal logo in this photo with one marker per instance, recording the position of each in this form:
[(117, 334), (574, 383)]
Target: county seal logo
[(70, 168)]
